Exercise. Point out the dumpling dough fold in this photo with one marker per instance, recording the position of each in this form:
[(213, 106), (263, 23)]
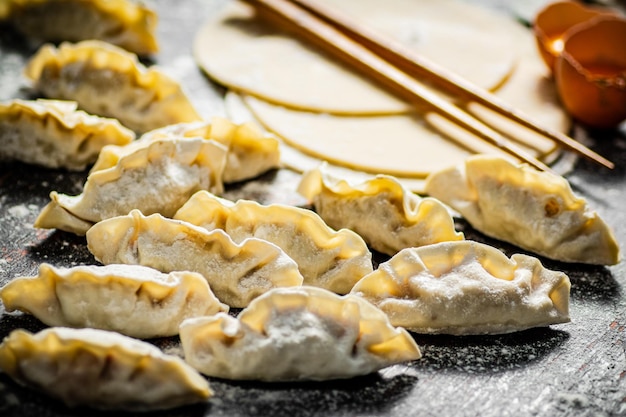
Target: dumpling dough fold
[(465, 288), (251, 152), (54, 134), (109, 81), (334, 260), (100, 369), (300, 333), (387, 216), (158, 177), (236, 272), (130, 299), (126, 23), (534, 210)]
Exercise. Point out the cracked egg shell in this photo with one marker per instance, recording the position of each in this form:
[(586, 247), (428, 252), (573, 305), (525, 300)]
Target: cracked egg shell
[(591, 72), (554, 20)]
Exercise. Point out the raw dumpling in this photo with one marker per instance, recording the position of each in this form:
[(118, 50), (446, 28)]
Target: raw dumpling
[(126, 23), (100, 369), (466, 288), (251, 152), (130, 299), (301, 333), (156, 178), (54, 134), (334, 260), (534, 210), (380, 210), (108, 81), (237, 273)]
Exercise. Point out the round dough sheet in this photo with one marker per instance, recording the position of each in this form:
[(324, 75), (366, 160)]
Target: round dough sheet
[(250, 56), (406, 145)]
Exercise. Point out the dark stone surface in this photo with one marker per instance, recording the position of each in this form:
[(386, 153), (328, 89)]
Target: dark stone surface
[(574, 369)]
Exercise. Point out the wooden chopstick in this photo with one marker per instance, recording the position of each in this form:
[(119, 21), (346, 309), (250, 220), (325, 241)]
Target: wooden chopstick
[(330, 39), (408, 61)]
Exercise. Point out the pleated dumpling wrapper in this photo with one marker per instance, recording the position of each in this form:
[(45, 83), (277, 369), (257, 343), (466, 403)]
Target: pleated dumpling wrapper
[(464, 288), (236, 272), (54, 134), (534, 210), (109, 81), (388, 216), (299, 333), (126, 23), (100, 369), (133, 300), (158, 177), (334, 260), (251, 152)]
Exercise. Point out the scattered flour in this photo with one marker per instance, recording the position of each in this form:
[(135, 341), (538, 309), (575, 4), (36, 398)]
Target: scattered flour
[(19, 210), (572, 399)]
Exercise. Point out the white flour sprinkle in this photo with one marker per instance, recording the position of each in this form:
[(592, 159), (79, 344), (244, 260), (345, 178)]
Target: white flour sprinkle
[(19, 210)]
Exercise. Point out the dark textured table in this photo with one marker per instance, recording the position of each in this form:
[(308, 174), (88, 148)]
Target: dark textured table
[(574, 369)]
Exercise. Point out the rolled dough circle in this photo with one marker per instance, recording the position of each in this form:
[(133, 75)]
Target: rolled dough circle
[(248, 55)]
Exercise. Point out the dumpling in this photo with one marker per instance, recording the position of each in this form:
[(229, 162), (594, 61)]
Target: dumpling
[(334, 260), (157, 178), (300, 333), (464, 288), (108, 81), (534, 210), (100, 369), (133, 300), (125, 23), (250, 151), (236, 272), (54, 134), (387, 216)]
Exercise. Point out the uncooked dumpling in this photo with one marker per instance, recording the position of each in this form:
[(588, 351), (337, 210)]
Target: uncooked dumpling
[(130, 299), (380, 210), (54, 134), (100, 369), (334, 260), (158, 177), (466, 288), (251, 152), (126, 23), (534, 210), (252, 56), (301, 333), (236, 272), (109, 81)]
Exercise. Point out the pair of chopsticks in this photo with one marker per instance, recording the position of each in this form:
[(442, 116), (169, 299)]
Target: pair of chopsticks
[(389, 63)]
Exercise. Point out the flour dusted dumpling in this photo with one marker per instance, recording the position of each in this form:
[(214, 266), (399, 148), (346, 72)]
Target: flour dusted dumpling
[(158, 177), (300, 333), (236, 272), (125, 23), (100, 369), (54, 134), (388, 216), (109, 81), (334, 260), (536, 211), (466, 287), (251, 152), (130, 299)]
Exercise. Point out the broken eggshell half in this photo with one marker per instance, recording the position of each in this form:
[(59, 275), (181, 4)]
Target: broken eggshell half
[(552, 23), (591, 72)]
